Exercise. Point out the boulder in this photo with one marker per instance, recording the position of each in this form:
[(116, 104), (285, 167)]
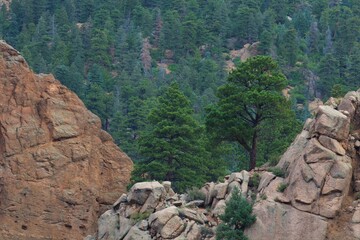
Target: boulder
[(266, 178), (194, 233), (315, 152), (121, 199), (158, 219), (289, 159), (356, 217), (219, 208), (195, 203), (314, 106), (332, 144), (173, 228), (221, 190), (332, 123), (208, 189), (283, 222), (271, 192), (356, 231), (108, 226), (236, 176), (245, 184), (191, 214), (349, 103), (143, 225), (147, 194), (136, 233), (124, 226)]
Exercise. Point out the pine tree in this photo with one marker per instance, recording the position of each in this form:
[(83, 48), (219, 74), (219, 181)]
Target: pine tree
[(290, 46), (329, 74), (250, 98), (172, 146), (353, 69)]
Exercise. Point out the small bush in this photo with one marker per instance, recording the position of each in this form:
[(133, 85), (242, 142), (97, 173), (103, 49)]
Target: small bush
[(282, 187), (255, 180), (277, 172), (206, 232), (357, 196), (263, 196), (137, 217), (253, 196), (237, 217), (195, 194)]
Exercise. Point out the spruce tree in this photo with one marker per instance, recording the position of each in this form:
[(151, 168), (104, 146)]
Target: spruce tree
[(172, 146)]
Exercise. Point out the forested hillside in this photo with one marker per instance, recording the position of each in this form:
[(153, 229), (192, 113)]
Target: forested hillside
[(119, 56)]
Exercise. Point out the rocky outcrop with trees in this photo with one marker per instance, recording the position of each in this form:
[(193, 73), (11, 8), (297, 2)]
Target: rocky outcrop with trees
[(151, 210), (320, 186), (311, 194)]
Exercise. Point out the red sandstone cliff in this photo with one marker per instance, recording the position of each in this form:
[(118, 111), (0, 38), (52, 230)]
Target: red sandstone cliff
[(58, 169)]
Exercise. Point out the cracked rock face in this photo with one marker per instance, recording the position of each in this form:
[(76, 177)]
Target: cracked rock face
[(322, 168), (58, 169)]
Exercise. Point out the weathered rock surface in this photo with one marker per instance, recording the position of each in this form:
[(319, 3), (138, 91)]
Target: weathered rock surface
[(319, 168), (168, 215), (58, 169), (283, 222)]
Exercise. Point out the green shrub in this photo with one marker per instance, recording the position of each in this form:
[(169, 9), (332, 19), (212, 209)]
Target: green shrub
[(195, 194), (206, 232), (277, 172), (357, 196), (238, 216), (263, 196), (255, 180), (137, 217), (282, 187)]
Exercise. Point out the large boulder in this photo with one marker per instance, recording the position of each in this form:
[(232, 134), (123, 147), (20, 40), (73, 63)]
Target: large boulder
[(136, 233), (332, 123), (283, 222), (167, 222), (147, 194), (58, 169)]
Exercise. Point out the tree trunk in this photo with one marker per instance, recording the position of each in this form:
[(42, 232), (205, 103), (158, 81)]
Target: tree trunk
[(252, 163)]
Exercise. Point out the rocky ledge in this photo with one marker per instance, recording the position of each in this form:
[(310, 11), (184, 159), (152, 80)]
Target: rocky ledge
[(58, 169)]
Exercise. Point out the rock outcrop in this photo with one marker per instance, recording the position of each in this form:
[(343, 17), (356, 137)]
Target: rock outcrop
[(322, 180), (154, 211), (58, 169)]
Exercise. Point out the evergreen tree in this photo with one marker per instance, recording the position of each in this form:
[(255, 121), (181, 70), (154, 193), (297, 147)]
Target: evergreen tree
[(251, 96), (237, 217), (172, 146), (353, 69), (329, 74), (289, 46)]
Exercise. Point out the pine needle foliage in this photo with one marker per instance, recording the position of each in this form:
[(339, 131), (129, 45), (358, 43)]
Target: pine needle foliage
[(237, 217)]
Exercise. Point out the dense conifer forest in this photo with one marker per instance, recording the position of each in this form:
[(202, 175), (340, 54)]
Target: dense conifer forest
[(141, 65)]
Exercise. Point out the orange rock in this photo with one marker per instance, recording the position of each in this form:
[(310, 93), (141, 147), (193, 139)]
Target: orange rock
[(58, 170)]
